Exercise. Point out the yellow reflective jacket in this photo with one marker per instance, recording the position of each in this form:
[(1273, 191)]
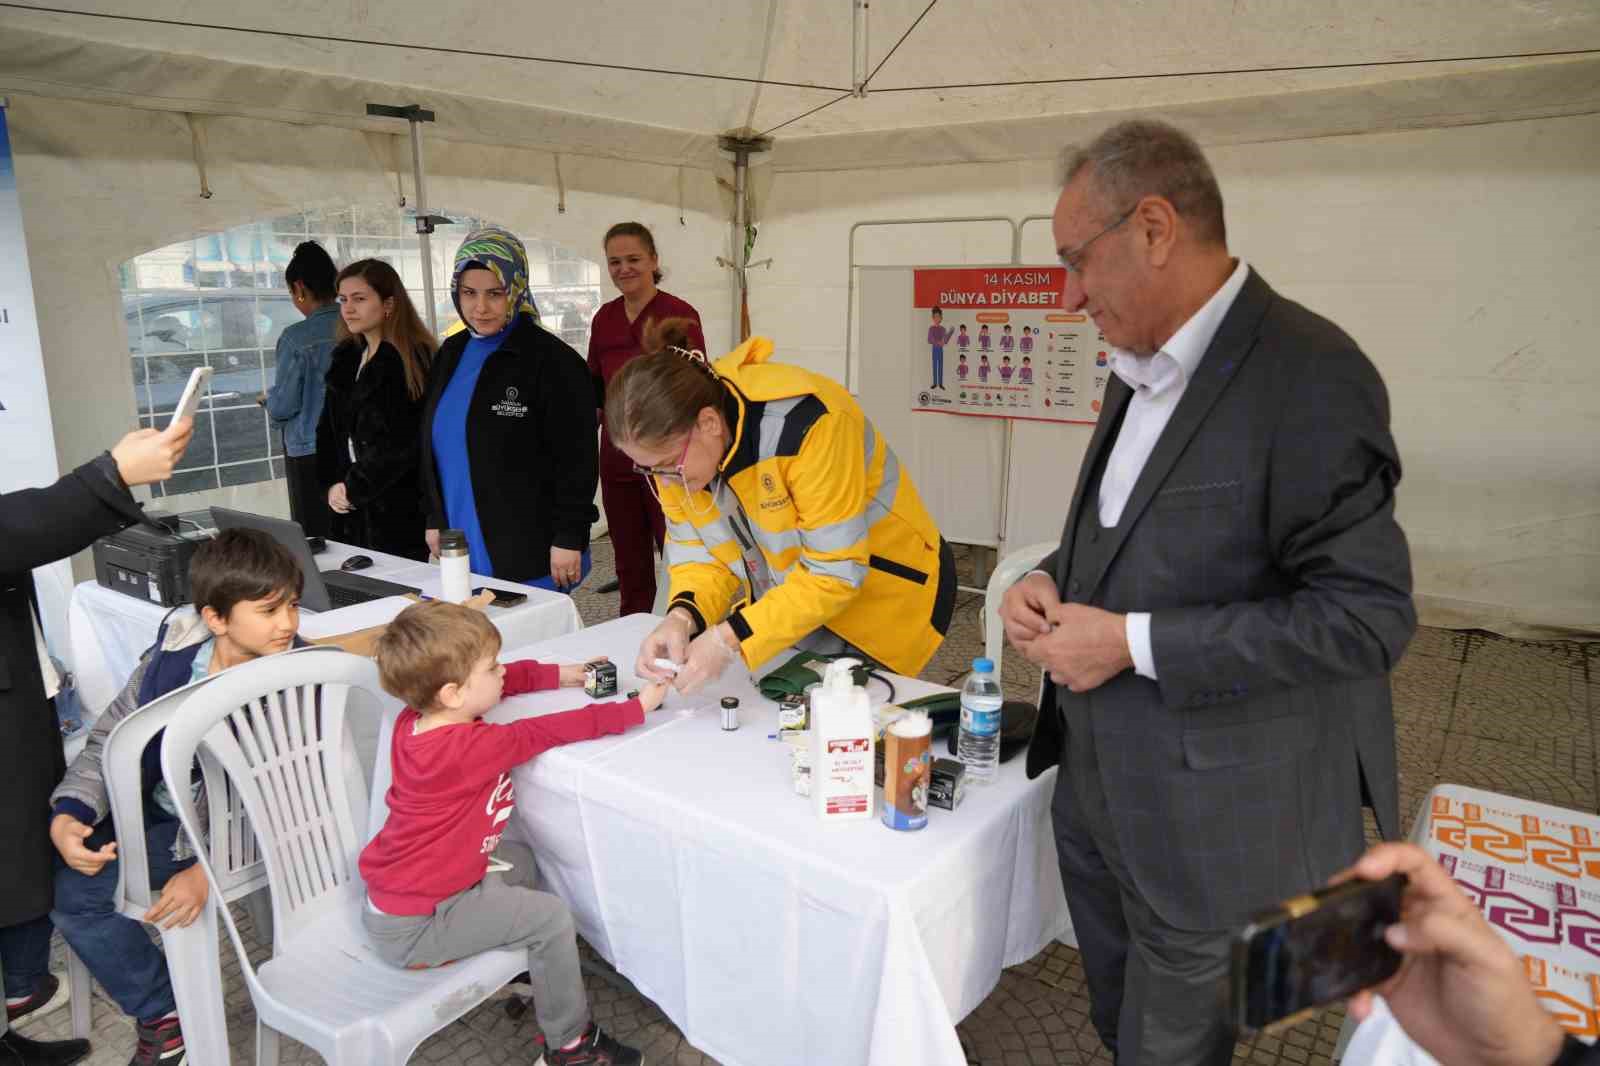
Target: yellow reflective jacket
[(824, 500)]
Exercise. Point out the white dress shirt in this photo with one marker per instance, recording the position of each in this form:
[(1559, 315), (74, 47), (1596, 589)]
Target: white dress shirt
[(1158, 382)]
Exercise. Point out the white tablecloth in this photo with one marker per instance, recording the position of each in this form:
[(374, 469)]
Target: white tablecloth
[(767, 937), (109, 630), (1531, 868)]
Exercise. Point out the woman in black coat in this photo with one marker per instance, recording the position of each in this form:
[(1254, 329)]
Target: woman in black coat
[(510, 447), (367, 439), (39, 526)]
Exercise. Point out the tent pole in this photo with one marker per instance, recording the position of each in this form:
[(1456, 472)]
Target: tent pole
[(415, 115), (741, 148), (424, 235)]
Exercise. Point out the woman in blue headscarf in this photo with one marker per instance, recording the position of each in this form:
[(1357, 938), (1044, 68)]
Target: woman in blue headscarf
[(509, 449)]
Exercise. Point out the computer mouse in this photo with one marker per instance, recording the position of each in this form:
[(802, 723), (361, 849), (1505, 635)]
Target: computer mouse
[(356, 562)]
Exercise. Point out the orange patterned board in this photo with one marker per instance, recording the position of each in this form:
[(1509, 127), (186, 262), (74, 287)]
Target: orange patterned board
[(1534, 871)]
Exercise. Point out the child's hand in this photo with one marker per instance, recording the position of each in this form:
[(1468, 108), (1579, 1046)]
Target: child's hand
[(68, 834), (182, 899), (572, 675), (652, 694)]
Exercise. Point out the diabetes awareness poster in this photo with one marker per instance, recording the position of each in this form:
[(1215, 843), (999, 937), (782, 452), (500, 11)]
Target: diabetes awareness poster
[(26, 439), (993, 342)]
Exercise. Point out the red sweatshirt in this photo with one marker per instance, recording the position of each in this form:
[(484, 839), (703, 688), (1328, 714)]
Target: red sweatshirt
[(452, 792)]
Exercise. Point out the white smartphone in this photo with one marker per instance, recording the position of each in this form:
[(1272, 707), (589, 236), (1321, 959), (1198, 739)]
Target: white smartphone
[(199, 378)]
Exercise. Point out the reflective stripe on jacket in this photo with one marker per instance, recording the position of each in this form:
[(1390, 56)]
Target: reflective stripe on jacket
[(837, 520)]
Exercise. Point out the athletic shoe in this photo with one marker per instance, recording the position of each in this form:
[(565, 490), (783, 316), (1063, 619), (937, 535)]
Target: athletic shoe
[(160, 1044), (595, 1049), (49, 992)]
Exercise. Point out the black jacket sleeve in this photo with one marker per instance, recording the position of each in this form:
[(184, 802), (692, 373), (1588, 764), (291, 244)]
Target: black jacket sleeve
[(331, 455), (432, 493), (571, 440), (387, 439), (39, 526)]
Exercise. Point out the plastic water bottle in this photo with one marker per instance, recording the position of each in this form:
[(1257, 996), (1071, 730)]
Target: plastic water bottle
[(978, 745)]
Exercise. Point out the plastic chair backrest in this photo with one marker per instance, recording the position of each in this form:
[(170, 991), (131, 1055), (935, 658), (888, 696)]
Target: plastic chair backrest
[(382, 772), (1006, 572), (277, 728)]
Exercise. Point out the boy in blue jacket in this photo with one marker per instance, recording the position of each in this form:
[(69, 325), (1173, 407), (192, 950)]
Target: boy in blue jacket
[(246, 592)]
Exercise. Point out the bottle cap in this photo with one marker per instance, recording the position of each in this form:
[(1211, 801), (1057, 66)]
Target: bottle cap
[(452, 540), (983, 666), (730, 702)]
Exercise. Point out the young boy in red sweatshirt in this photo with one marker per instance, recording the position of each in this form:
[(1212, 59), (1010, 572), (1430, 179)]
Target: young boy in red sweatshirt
[(441, 884)]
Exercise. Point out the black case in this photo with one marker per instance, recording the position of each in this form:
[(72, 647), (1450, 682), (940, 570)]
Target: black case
[(147, 564)]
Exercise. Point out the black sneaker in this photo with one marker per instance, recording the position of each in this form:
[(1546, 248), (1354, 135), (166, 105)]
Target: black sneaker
[(160, 1044), (49, 992), (595, 1049), (20, 1051)]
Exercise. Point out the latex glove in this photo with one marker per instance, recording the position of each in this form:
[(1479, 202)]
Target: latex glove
[(709, 655), (669, 640), (148, 455)]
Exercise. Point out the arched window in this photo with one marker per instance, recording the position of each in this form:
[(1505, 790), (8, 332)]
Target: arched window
[(220, 300)]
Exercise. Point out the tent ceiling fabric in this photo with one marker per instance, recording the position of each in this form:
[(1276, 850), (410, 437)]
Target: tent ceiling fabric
[(807, 44)]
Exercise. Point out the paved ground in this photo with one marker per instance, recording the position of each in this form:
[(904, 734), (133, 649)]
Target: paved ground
[(1470, 708)]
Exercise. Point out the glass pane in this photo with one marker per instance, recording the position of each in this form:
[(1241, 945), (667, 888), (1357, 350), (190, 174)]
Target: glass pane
[(190, 481), (277, 468), (160, 322), (377, 220), (200, 453), (228, 320), (275, 313), (290, 226), (167, 375), (241, 434), (246, 473), (237, 378)]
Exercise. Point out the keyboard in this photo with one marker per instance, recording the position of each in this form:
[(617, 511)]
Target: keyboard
[(347, 590)]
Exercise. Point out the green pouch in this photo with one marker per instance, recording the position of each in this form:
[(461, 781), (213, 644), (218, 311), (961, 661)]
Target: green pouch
[(802, 670), (944, 709)]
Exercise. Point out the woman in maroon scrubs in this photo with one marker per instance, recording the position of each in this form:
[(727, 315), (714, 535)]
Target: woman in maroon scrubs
[(615, 337)]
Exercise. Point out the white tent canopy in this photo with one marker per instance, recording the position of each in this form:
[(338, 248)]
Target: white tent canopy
[(1426, 174)]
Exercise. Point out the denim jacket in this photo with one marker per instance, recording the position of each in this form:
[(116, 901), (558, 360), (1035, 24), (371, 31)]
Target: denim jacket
[(294, 402)]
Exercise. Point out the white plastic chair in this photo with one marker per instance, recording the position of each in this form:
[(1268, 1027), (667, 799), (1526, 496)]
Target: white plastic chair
[(1006, 573), (277, 728), (193, 961)]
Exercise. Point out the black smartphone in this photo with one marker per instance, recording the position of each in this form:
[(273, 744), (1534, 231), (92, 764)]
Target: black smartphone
[(502, 597), (1314, 950)]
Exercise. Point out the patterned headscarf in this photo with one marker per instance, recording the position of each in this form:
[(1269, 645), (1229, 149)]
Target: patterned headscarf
[(500, 253)]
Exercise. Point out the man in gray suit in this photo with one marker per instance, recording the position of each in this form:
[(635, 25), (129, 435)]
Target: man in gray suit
[(1229, 596)]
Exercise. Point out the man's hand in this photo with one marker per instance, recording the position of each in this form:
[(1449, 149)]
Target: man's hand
[(432, 537), (1024, 609), (669, 640), (709, 655), (339, 499), (1461, 992), (148, 455), (1087, 647), (182, 899), (566, 567), (68, 834)]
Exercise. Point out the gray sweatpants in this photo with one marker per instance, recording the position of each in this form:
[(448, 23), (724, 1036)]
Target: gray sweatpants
[(501, 911)]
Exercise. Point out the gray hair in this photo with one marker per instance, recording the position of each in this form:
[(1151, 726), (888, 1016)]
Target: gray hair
[(1143, 157)]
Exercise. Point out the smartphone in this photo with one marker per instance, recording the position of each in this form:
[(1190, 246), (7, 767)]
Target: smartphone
[(1314, 950), (190, 401), (502, 597)]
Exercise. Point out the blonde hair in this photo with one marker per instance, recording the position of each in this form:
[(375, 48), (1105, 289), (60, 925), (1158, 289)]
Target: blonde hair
[(431, 645), (660, 394)]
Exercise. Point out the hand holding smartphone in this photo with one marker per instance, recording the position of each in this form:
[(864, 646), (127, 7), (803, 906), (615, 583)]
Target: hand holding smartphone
[(1314, 950), (189, 402)]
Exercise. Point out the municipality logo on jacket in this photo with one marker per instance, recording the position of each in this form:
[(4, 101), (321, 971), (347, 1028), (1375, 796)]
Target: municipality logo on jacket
[(510, 407)]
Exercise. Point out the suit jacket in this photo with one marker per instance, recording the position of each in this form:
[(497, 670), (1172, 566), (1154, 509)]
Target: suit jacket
[(39, 526), (1261, 537)]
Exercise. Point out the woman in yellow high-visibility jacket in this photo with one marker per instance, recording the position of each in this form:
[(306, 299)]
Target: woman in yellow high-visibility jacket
[(790, 522)]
